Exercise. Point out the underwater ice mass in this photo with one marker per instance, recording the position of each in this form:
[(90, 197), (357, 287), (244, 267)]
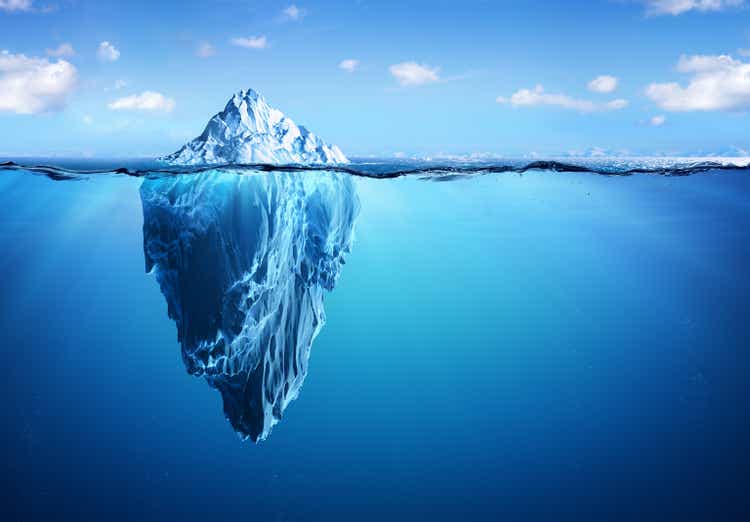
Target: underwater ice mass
[(243, 262)]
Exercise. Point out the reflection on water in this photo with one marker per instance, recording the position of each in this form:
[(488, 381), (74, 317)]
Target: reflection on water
[(243, 260)]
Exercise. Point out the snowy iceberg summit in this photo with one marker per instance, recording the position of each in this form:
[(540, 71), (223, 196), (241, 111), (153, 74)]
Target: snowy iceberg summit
[(243, 260), (248, 130)]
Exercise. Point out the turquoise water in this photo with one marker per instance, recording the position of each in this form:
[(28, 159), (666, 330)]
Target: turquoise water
[(549, 346)]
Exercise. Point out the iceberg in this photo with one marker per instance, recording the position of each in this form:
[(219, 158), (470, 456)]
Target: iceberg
[(243, 261), (248, 130)]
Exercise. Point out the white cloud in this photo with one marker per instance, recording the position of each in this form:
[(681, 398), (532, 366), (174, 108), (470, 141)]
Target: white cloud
[(537, 96), (205, 50), (657, 121), (146, 101), (615, 105), (744, 52), (718, 82), (107, 52), (603, 83), (34, 85), (15, 5), (119, 84), (412, 73), (254, 42), (677, 7), (349, 65), (294, 13), (62, 50)]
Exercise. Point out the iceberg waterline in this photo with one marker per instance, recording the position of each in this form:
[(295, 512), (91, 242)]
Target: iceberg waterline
[(248, 130), (243, 263), (385, 169)]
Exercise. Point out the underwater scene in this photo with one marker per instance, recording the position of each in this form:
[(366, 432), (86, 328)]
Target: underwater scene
[(406, 341)]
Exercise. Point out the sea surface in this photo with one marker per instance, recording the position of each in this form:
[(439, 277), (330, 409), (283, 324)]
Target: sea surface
[(485, 342)]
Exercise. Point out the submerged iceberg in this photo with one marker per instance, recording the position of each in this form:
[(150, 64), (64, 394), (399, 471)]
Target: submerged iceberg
[(243, 262), (248, 130)]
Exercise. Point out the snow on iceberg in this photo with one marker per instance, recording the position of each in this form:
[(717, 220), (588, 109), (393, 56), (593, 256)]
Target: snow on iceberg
[(243, 262), (248, 130)]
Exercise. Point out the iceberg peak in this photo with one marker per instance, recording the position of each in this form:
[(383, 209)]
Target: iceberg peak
[(248, 130)]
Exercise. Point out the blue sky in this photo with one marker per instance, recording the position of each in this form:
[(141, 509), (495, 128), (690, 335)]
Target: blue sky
[(434, 78)]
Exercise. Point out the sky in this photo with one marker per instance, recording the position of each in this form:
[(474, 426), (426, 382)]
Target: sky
[(386, 78)]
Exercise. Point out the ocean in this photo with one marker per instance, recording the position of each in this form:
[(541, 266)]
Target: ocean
[(485, 342)]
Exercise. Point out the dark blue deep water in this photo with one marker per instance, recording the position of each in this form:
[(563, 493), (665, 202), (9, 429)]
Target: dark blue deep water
[(545, 346)]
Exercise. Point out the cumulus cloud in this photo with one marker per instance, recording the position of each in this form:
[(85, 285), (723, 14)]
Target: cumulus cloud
[(349, 65), (657, 121), (107, 52), (16, 5), (294, 13), (253, 42), (31, 85), (677, 7), (61, 51), (205, 50), (412, 73), (718, 82), (603, 83), (538, 97), (146, 101)]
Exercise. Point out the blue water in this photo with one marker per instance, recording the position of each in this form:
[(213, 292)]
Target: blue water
[(545, 346)]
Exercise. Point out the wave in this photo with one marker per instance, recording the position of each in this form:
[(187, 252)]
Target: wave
[(425, 170)]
